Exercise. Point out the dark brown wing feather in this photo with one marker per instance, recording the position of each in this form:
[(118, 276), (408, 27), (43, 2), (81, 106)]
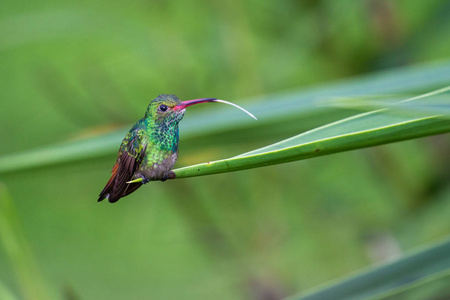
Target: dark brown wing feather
[(123, 171), (110, 183), (127, 166)]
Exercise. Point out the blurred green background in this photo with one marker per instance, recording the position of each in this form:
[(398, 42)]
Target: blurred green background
[(77, 69)]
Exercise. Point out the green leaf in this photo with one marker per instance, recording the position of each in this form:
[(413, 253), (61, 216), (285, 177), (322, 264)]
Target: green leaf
[(434, 286), (438, 104), (363, 130), (426, 268), (19, 252), (271, 111), (6, 294)]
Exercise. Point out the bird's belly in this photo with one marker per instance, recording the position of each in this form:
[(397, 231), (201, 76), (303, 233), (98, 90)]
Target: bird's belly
[(157, 168)]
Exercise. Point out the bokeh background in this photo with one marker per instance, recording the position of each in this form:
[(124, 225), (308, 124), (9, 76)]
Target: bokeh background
[(78, 69)]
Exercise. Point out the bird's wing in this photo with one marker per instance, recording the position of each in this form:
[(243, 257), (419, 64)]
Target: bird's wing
[(130, 157)]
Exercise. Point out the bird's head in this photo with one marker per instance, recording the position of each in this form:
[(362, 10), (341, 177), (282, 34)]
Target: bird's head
[(168, 109)]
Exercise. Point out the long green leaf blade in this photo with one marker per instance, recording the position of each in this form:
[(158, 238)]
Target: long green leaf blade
[(431, 286), (363, 130), (376, 283), (283, 106), (19, 252)]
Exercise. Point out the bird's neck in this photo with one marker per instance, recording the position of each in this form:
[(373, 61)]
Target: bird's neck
[(165, 136)]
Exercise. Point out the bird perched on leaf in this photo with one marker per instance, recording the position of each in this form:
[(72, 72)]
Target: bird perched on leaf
[(150, 149)]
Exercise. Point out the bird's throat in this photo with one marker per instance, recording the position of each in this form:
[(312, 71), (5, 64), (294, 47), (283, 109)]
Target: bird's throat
[(164, 136)]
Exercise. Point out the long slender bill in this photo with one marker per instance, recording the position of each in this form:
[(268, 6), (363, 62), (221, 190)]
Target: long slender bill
[(187, 103)]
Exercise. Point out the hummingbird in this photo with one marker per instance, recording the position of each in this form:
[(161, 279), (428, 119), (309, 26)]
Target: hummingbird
[(150, 149)]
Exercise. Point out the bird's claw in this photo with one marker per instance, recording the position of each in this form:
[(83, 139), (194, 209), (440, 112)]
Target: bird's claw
[(170, 175), (144, 179)]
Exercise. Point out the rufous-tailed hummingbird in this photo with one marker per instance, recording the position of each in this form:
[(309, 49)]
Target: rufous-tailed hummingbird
[(150, 149)]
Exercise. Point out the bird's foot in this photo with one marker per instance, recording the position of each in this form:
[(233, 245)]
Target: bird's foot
[(170, 175), (144, 179)]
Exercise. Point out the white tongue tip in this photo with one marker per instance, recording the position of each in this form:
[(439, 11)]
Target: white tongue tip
[(237, 106)]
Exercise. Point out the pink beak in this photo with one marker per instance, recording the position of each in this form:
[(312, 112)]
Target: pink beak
[(187, 103)]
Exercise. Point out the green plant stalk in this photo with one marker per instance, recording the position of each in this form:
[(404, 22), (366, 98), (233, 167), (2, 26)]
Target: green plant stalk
[(312, 147)]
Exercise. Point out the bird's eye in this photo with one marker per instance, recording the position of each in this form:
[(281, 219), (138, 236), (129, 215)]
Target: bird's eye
[(163, 107)]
